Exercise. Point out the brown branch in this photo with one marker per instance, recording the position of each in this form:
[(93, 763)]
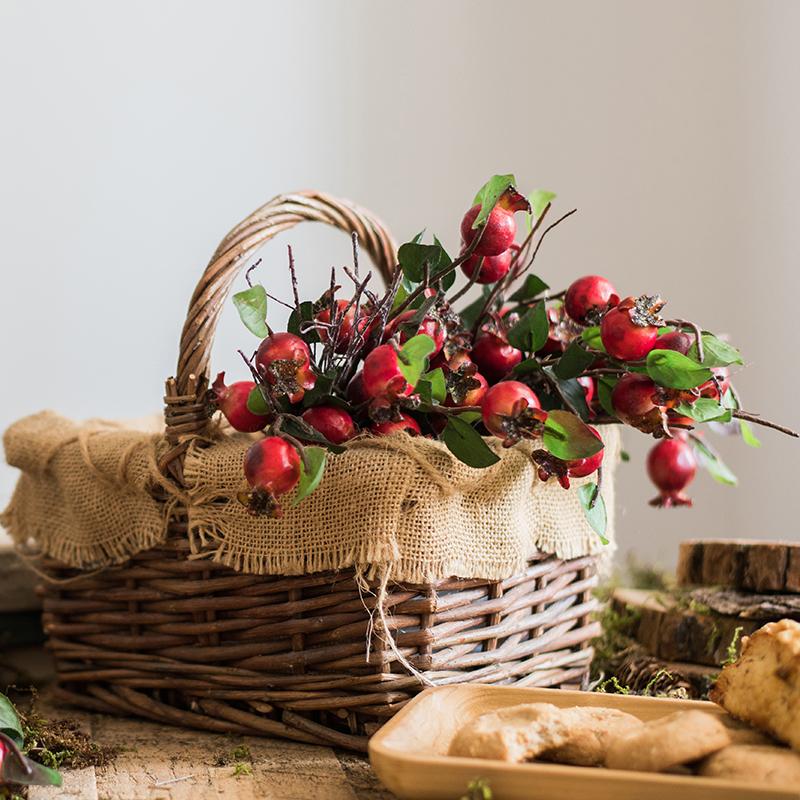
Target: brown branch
[(698, 335), (756, 420), (293, 274)]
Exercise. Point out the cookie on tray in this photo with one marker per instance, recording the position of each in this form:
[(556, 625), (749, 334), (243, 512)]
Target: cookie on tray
[(589, 732), (508, 734), (667, 742), (766, 765), (763, 686)]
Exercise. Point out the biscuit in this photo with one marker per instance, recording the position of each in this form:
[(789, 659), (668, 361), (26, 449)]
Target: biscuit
[(763, 686), (669, 741), (742, 733), (589, 732), (770, 766), (508, 734)]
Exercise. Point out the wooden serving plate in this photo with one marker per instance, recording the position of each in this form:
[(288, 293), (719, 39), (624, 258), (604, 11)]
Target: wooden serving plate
[(409, 753)]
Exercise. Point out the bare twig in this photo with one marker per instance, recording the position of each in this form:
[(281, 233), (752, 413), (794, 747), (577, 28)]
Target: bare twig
[(354, 239), (756, 420), (249, 270), (293, 274)]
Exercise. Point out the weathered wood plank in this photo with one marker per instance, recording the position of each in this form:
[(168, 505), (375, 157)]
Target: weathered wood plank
[(751, 565)]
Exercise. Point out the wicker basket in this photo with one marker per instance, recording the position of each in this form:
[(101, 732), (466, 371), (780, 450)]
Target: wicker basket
[(195, 643)]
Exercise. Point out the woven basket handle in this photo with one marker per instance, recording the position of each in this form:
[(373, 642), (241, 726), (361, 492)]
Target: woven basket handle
[(184, 414)]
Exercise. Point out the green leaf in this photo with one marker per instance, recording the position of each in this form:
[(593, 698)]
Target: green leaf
[(574, 361), (568, 437), (432, 387), (256, 402), (413, 357), (675, 370), (595, 516), (321, 390), (572, 393), (448, 280), (9, 722), (718, 470), (470, 314), (605, 387), (532, 330), (489, 194), (526, 367), (704, 409), (539, 201), (467, 445), (532, 286), (624, 456), (470, 416), (252, 307), (310, 478), (413, 256), (591, 336), (716, 352), (296, 320), (747, 434)]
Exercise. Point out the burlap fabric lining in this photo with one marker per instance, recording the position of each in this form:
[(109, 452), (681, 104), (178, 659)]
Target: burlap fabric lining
[(395, 505)]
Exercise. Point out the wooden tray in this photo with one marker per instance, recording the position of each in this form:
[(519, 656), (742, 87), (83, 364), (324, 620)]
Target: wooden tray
[(408, 753)]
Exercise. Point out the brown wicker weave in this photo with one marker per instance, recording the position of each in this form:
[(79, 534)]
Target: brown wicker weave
[(194, 643)]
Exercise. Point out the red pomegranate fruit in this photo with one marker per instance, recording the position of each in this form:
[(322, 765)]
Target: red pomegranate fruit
[(490, 268), (494, 356), (285, 360), (272, 468), (581, 467), (634, 401), (407, 424), (334, 423), (429, 326), (588, 297), (674, 340), (232, 402), (626, 334), (381, 374), (671, 465), (511, 411), (497, 234)]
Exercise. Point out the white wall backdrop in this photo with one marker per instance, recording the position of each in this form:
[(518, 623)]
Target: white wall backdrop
[(135, 134)]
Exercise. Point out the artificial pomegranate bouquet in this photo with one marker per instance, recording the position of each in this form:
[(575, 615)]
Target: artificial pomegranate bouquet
[(518, 362)]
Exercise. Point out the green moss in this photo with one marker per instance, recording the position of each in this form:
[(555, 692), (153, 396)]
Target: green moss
[(242, 768)]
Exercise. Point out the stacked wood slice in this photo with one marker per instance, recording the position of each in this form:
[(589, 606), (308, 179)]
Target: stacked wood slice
[(726, 589)]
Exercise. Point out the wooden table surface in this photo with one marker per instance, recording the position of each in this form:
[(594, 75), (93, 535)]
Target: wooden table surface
[(157, 762)]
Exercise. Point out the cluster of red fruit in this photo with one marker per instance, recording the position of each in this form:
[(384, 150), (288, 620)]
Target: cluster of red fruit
[(512, 365)]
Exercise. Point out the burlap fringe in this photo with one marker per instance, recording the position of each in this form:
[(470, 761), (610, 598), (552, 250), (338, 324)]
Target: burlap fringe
[(80, 462)]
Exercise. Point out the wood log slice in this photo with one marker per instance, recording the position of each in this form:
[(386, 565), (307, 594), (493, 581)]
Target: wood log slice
[(749, 565), (671, 631)]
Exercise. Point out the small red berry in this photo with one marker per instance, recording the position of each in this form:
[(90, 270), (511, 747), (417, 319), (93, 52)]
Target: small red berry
[(285, 360), (490, 268), (715, 389), (671, 465), (232, 402), (407, 424), (588, 296), (497, 233), (511, 410), (494, 356), (465, 385), (429, 326), (345, 316), (581, 467), (356, 393), (272, 468), (674, 340), (381, 374), (334, 423), (634, 401), (622, 337)]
